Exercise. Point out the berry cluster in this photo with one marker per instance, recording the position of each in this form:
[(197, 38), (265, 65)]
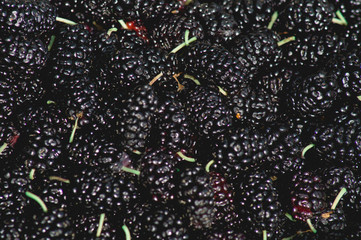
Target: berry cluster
[(180, 119)]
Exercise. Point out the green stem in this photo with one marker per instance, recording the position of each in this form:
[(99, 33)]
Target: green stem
[(127, 232), (186, 42), (341, 20), (286, 40), (60, 179), (209, 165), (289, 216), (273, 20), (31, 174), (130, 170), (308, 147), (51, 43), (38, 200), (289, 238), (183, 45), (101, 223), (155, 78), (111, 30), (71, 139), (221, 90), (184, 157), (2, 148), (192, 78), (338, 198), (264, 232), (188, 2), (137, 152), (313, 229), (66, 21), (50, 102), (359, 98), (123, 24)]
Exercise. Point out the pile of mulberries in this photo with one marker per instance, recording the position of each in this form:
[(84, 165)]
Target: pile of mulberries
[(180, 119)]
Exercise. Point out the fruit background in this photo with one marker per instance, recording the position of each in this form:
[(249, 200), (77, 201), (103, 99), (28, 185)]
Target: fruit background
[(180, 119)]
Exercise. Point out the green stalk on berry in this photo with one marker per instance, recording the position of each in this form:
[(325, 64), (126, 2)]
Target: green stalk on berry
[(38, 200), (126, 232), (209, 165), (186, 42), (75, 127), (308, 147), (184, 157), (340, 20), (60, 179), (66, 21), (286, 40), (273, 20), (313, 229), (51, 43), (3, 147), (130, 170), (31, 174), (101, 223), (338, 198)]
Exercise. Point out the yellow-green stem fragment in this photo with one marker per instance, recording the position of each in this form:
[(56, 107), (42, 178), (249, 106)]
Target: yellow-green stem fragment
[(127, 232), (340, 20), (38, 200), (338, 198), (273, 20), (221, 90), (60, 179), (111, 30), (123, 24), (51, 43), (66, 21), (184, 157), (209, 165), (289, 216), (101, 223), (264, 232), (130, 170), (71, 139), (286, 40), (308, 147), (3, 147), (313, 229), (192, 78), (31, 174)]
